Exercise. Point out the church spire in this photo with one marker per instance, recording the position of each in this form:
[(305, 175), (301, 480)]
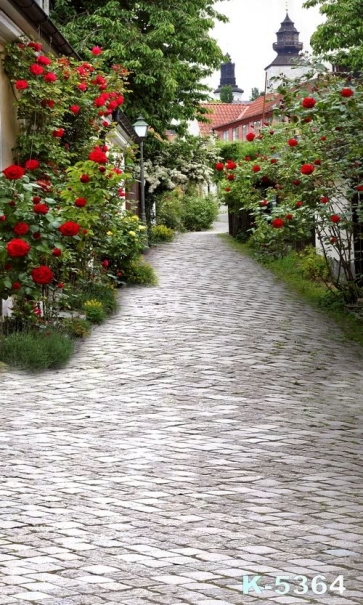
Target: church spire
[(228, 78), (288, 45)]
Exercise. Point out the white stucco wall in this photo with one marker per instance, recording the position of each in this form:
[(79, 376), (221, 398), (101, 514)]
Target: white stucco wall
[(289, 71)]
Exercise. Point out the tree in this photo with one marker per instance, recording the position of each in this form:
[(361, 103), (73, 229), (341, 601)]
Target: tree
[(255, 93), (339, 38), (227, 94), (166, 46)]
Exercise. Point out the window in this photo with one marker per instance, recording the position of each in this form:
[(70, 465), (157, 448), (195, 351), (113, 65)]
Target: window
[(244, 131), (235, 134), (225, 135)]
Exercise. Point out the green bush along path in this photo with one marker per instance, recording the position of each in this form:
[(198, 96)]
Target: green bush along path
[(211, 429)]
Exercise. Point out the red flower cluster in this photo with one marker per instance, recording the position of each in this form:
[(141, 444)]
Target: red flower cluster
[(36, 46), (50, 77), (36, 70), (277, 223), (347, 92), (335, 218), (41, 208), (324, 200), (292, 142), (42, 275), (231, 177), (80, 202), (82, 86), (14, 172), (256, 168), (219, 166), (98, 156), (308, 102), (75, 109), (96, 50), (307, 169), (43, 60), (57, 252), (231, 165), (59, 132), (250, 137), (21, 228), (69, 228), (17, 248), (32, 164), (21, 84), (84, 178)]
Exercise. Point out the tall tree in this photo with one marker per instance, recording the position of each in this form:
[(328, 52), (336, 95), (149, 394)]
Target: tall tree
[(339, 38), (166, 45), (255, 93), (226, 94)]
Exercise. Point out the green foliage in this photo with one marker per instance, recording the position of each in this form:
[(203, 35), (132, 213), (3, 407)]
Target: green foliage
[(255, 93), (161, 233), (34, 350), (313, 265), (94, 311), (77, 327), (169, 209), (199, 213), (226, 94), (165, 45), (102, 292), (339, 37), (139, 272)]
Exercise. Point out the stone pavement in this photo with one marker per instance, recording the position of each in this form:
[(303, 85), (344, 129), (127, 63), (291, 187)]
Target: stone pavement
[(211, 430)]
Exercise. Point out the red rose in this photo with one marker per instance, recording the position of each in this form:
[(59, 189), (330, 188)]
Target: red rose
[(51, 77), (219, 166), (69, 228), (228, 189), (84, 178), (272, 132), (8, 266), (35, 46), (3, 218), (247, 158), (307, 120), (41, 208), (264, 203), (308, 102), (98, 156), (289, 217), (359, 188), (231, 165), (47, 103), (121, 193), (56, 252), (31, 164), (277, 223), (104, 148), (14, 172), (36, 70), (80, 202), (120, 100), (274, 161), (60, 285), (21, 228), (17, 247), (231, 177), (36, 199), (323, 138), (335, 218), (117, 170), (298, 204), (105, 263), (43, 60), (307, 169), (21, 84), (16, 285), (82, 86), (324, 200), (292, 142), (333, 240), (296, 182), (112, 105), (250, 137), (347, 92), (75, 109), (106, 124), (119, 273), (59, 132), (96, 50), (42, 275), (45, 185), (256, 168), (317, 162), (102, 169)]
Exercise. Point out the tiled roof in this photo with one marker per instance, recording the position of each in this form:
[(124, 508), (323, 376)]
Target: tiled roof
[(256, 108), (220, 113)]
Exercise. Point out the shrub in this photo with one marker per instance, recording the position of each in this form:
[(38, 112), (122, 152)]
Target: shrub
[(94, 311), (199, 213), (313, 265), (139, 272), (169, 210), (77, 327), (36, 350), (161, 233)]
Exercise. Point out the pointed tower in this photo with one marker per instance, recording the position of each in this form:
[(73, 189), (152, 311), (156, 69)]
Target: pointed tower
[(228, 78), (288, 48)]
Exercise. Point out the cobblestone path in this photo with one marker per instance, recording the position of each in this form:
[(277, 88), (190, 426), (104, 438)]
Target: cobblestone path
[(211, 430)]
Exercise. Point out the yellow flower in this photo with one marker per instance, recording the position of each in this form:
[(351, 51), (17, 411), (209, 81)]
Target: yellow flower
[(134, 217), (132, 233), (142, 227), (109, 233)]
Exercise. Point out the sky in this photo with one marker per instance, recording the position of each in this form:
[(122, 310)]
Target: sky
[(249, 36)]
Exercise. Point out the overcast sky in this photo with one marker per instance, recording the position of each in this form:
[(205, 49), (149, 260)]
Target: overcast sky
[(249, 35)]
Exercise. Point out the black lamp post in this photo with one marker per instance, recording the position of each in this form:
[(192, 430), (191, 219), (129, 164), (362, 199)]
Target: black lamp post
[(140, 128)]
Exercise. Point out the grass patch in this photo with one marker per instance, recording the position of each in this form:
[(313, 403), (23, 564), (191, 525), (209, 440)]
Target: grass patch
[(291, 270), (35, 351)]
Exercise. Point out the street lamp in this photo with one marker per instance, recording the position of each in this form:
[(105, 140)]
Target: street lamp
[(140, 128)]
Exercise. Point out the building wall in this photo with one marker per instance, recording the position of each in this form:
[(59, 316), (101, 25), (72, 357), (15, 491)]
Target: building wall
[(290, 71)]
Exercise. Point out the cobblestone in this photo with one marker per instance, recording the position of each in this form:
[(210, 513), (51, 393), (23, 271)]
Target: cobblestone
[(211, 429)]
